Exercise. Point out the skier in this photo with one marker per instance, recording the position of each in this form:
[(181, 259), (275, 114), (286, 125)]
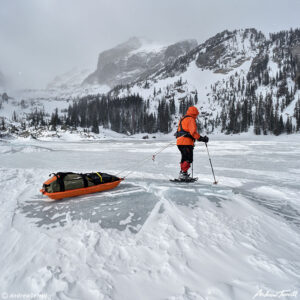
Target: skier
[(186, 135)]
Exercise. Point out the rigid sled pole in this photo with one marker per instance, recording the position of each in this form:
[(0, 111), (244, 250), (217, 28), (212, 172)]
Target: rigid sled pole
[(212, 169)]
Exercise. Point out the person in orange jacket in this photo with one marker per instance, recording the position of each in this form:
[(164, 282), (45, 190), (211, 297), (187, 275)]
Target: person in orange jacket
[(186, 135)]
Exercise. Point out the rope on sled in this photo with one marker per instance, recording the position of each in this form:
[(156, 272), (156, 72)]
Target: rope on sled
[(146, 159)]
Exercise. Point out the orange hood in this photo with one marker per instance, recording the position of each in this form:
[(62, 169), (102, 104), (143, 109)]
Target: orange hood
[(193, 112)]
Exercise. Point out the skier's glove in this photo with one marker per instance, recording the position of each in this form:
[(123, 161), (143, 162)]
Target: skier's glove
[(203, 139)]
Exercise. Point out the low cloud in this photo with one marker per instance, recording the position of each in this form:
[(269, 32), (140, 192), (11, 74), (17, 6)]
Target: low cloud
[(42, 38)]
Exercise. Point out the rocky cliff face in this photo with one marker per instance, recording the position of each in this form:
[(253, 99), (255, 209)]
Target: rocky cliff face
[(238, 79), (222, 53), (228, 50), (135, 59)]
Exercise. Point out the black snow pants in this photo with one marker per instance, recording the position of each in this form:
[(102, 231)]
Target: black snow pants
[(186, 153)]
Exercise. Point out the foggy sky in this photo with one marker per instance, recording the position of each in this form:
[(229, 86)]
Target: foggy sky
[(43, 38)]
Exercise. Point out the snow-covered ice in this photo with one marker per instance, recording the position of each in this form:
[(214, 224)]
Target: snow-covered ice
[(150, 238)]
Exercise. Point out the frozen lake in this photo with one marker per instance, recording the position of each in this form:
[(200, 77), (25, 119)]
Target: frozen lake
[(150, 238)]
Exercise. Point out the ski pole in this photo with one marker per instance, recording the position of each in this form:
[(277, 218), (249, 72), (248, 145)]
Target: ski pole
[(212, 169)]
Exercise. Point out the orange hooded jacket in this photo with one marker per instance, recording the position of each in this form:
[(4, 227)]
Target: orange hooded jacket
[(189, 124)]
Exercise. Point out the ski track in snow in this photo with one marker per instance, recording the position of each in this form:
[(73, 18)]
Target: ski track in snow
[(150, 238)]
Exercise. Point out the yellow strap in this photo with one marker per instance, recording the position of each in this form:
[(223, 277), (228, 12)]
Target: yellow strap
[(99, 176)]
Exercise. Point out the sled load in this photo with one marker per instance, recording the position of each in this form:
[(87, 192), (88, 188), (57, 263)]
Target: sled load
[(64, 185)]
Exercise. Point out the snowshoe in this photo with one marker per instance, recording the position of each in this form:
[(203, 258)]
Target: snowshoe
[(187, 180), (183, 175)]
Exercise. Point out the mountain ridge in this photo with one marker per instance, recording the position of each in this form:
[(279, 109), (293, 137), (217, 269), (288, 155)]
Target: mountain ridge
[(240, 81), (133, 60)]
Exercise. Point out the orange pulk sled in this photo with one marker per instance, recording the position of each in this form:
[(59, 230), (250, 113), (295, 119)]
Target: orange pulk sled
[(67, 184)]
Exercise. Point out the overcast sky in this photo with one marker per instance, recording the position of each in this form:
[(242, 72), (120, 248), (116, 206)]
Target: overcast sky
[(43, 38)]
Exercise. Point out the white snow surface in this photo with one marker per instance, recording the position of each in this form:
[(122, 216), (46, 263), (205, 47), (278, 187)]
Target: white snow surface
[(150, 238), (149, 47)]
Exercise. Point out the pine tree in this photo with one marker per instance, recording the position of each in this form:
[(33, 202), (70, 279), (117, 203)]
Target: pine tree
[(257, 123), (196, 97), (14, 116), (54, 120), (172, 107), (289, 126), (95, 126), (3, 124), (281, 125), (297, 115), (245, 115)]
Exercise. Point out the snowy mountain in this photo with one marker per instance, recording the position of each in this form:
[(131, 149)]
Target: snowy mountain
[(231, 71), (241, 81), (204, 65), (135, 59), (222, 53)]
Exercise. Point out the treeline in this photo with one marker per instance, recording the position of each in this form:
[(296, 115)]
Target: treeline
[(239, 116), (260, 98), (242, 108), (131, 115), (127, 115)]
